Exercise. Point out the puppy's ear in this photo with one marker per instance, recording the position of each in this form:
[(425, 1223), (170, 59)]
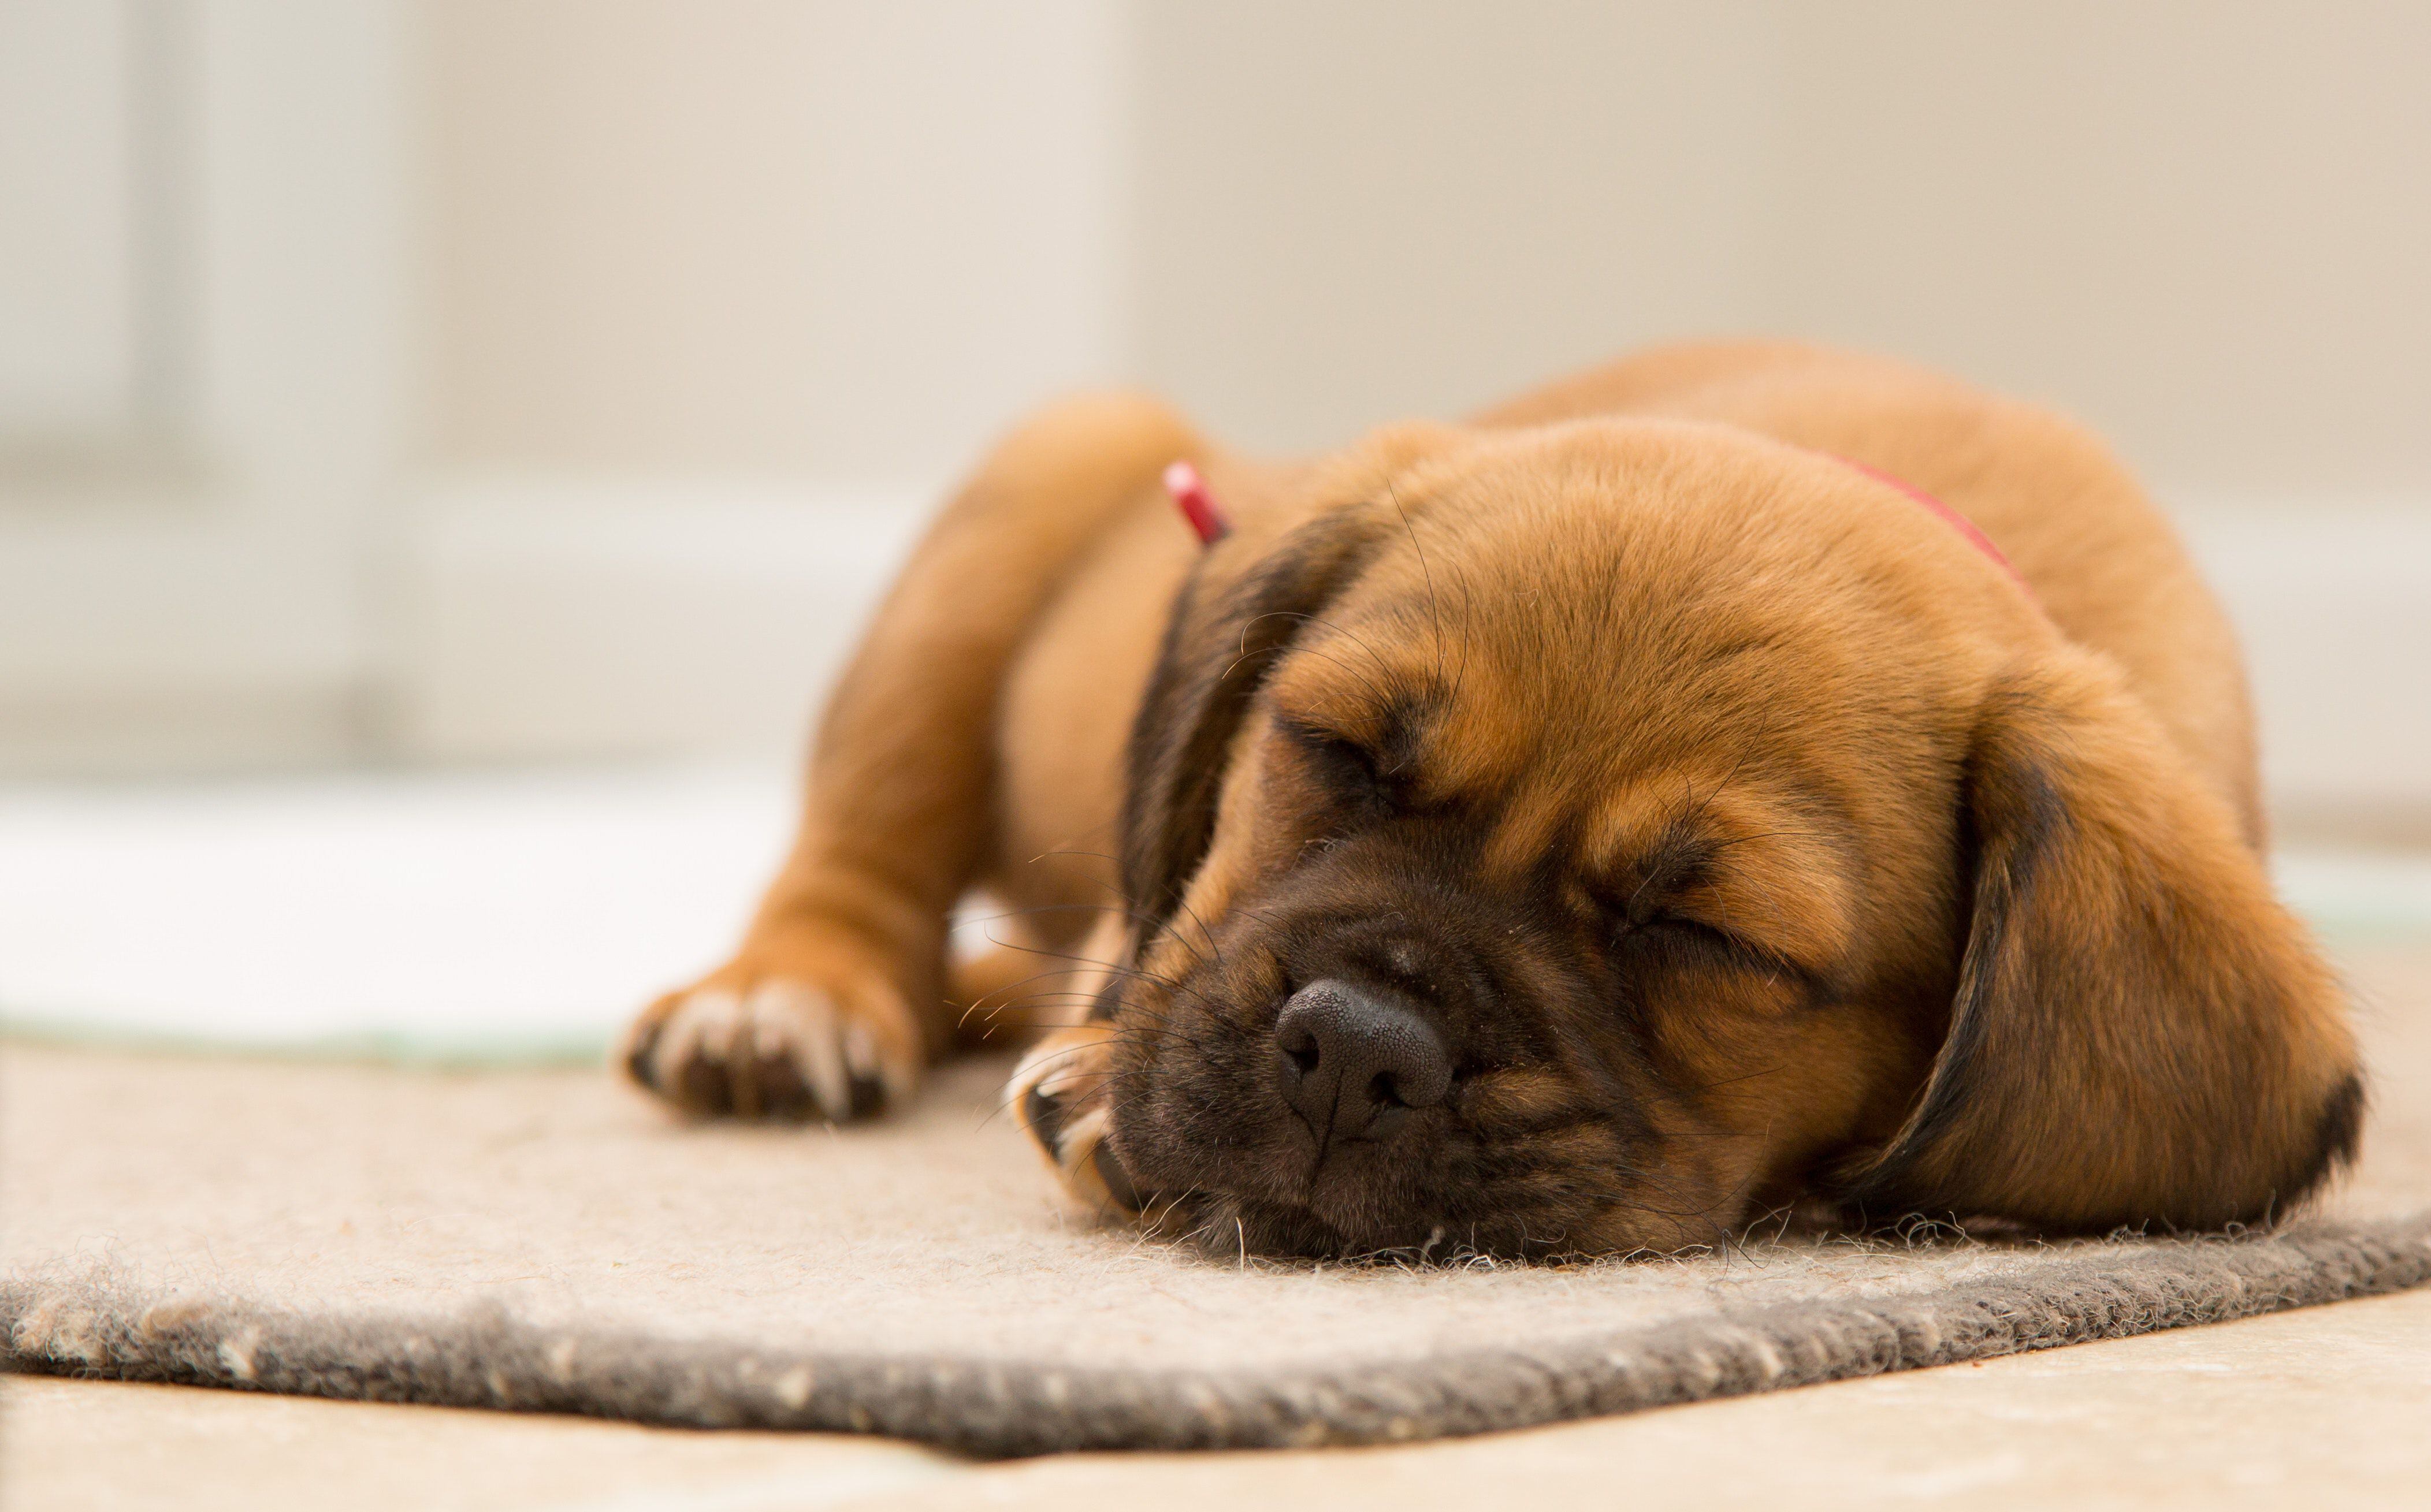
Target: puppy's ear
[(1233, 621), (2141, 1033)]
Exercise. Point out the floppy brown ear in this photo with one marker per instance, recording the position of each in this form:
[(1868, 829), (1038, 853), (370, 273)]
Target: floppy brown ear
[(2140, 1035), (1230, 624)]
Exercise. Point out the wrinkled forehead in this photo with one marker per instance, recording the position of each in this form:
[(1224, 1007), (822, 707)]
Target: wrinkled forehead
[(1555, 632), (1568, 640), (1625, 780)]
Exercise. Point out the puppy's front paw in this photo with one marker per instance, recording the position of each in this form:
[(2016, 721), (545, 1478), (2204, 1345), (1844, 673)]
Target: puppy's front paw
[(768, 1038), (1062, 1095)]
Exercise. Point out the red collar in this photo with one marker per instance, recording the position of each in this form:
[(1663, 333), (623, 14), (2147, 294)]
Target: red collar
[(1189, 493), (1949, 516)]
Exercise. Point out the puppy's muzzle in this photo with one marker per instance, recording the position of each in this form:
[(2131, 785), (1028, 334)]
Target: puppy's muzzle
[(1354, 1061)]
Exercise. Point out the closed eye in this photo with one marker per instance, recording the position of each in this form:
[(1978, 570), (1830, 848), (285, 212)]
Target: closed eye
[(1692, 932), (1346, 766), (1696, 938)]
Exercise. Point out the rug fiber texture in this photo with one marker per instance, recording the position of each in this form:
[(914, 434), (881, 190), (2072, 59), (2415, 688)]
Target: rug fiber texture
[(544, 1240)]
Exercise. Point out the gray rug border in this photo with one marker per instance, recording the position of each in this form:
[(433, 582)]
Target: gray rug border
[(99, 1323)]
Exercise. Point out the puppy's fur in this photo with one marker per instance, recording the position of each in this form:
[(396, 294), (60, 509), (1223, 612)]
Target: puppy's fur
[(1740, 832)]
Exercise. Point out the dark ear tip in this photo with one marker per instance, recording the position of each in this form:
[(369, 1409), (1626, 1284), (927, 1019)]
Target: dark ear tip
[(1879, 1186), (2337, 1132), (1867, 1188)]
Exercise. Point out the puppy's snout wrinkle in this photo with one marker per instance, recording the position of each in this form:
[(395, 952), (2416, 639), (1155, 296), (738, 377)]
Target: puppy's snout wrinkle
[(1354, 1063)]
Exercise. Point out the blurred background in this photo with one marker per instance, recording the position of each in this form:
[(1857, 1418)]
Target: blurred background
[(446, 444)]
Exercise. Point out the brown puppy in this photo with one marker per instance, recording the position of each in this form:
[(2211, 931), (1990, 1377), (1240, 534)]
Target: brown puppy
[(1577, 831)]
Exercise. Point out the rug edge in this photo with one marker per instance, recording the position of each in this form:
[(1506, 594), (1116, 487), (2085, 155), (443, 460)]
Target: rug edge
[(102, 1323)]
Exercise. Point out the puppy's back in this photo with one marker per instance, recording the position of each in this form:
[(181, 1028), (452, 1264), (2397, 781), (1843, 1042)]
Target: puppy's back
[(2102, 558)]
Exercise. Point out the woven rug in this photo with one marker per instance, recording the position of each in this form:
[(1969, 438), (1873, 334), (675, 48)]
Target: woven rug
[(544, 1239)]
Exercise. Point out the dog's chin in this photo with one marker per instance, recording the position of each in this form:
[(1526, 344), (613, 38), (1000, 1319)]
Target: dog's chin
[(1247, 1190), (1233, 1194), (1226, 1226)]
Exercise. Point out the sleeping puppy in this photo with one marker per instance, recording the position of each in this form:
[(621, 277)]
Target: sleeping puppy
[(1739, 776)]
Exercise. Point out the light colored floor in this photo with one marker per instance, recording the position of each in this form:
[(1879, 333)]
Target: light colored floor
[(480, 914), (2325, 1407)]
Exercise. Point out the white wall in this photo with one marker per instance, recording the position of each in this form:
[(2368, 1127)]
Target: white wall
[(680, 315), (1368, 209), (721, 299), (832, 238), (72, 250), (181, 552), (2203, 227)]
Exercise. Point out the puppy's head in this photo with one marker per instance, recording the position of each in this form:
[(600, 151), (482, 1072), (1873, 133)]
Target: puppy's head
[(1573, 841)]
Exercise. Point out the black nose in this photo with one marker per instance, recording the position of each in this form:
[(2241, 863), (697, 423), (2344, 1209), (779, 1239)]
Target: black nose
[(1354, 1063)]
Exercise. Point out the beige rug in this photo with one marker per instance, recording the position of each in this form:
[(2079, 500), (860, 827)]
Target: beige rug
[(545, 1241)]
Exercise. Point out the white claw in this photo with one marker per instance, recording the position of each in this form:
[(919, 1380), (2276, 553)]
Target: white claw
[(817, 1058), (860, 1053), (869, 1063), (686, 1033), (723, 1021), (768, 1037)]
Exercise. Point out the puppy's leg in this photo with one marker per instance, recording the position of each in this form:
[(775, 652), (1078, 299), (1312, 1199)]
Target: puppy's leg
[(834, 1004), (1063, 1093), (1004, 997)]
